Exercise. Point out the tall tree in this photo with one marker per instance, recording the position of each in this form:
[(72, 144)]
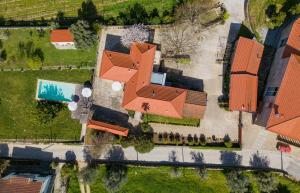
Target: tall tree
[(84, 35)]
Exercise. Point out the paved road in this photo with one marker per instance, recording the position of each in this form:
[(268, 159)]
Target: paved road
[(161, 153)]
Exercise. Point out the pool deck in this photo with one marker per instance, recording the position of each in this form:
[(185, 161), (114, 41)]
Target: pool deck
[(81, 113)]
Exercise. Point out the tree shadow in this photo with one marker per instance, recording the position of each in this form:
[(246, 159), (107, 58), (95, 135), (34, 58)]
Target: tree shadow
[(230, 158), (70, 156), (4, 150), (259, 160), (31, 153), (115, 154), (198, 157), (173, 156)]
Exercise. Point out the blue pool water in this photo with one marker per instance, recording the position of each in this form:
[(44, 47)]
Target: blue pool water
[(55, 91)]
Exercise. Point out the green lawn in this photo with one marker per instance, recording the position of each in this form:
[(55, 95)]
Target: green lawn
[(52, 56), (169, 120), (36, 9), (257, 13), (18, 115), (158, 180)]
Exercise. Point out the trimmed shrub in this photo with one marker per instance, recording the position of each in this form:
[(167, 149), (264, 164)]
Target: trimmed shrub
[(202, 140)]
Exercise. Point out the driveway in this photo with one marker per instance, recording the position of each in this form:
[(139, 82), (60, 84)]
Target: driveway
[(216, 121)]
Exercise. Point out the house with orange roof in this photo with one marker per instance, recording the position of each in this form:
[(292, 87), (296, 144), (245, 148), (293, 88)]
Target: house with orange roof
[(62, 39), (243, 78), (279, 111), (140, 93)]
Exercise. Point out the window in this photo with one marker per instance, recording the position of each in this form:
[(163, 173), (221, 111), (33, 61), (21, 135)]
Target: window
[(283, 42), (271, 91)]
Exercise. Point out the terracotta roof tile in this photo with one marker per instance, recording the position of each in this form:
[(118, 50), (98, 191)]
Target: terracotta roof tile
[(284, 117), (243, 92), (247, 56), (293, 42), (138, 90), (61, 35), (196, 98), (115, 129)]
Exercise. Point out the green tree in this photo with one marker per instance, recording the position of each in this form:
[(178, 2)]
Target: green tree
[(84, 35), (238, 181), (144, 143), (115, 177), (88, 174), (34, 63), (266, 181)]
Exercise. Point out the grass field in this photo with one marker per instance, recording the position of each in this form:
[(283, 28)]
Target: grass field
[(36, 9), (158, 179), (52, 56), (18, 115), (169, 120), (257, 13), (154, 180)]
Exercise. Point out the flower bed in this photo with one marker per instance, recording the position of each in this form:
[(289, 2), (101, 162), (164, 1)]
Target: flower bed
[(194, 140)]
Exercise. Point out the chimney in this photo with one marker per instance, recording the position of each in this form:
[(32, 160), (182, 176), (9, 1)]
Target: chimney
[(153, 93)]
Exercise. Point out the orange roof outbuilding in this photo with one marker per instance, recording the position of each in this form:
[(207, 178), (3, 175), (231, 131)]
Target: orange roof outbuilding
[(243, 79), (61, 35), (243, 92), (247, 56), (107, 127)]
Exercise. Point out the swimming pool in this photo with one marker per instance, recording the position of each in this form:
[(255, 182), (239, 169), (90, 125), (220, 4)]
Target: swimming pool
[(55, 91)]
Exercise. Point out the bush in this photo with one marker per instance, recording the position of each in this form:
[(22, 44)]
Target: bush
[(202, 140), (88, 174), (177, 138), (184, 61), (144, 144), (190, 139), (145, 127), (115, 177), (34, 63), (165, 138), (228, 144), (172, 137)]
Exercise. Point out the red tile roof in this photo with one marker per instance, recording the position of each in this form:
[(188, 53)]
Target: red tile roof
[(115, 129), (162, 100), (243, 92), (285, 115), (247, 56), (61, 35), (293, 42), (18, 184), (138, 90), (243, 79)]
